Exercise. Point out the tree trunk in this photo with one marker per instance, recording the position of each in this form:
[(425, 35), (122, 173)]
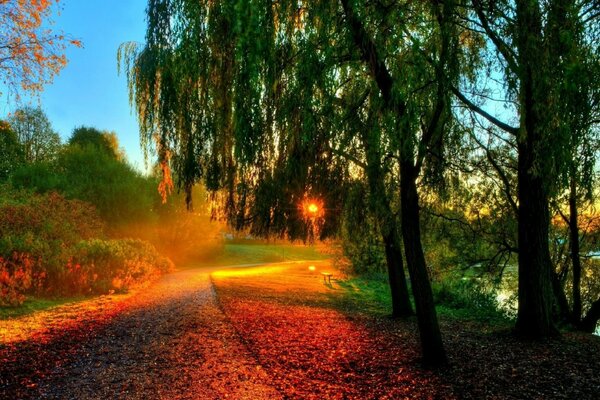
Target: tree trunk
[(589, 323), (564, 314), (401, 306), (380, 207), (429, 331), (430, 335), (534, 318), (574, 242)]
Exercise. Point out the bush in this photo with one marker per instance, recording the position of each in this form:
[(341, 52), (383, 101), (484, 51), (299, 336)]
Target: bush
[(16, 277), (53, 246), (470, 295), (45, 228), (98, 266)]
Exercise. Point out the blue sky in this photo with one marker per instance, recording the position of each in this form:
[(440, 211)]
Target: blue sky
[(89, 91)]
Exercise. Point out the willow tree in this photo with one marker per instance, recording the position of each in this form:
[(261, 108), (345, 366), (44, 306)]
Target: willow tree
[(243, 101), (575, 66), (248, 96), (206, 85)]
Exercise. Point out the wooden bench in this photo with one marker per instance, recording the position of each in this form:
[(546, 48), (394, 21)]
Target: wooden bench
[(327, 276)]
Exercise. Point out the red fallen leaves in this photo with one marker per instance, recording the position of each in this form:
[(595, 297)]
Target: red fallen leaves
[(30, 352), (319, 353), (288, 336), (313, 351)]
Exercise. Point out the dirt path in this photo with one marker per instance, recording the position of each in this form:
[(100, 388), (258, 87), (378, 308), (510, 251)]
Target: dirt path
[(170, 341)]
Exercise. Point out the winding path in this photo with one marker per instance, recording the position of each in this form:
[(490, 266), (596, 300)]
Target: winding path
[(169, 341)]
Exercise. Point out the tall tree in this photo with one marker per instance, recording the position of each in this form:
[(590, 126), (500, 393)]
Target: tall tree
[(31, 53), (373, 141), (104, 141), (520, 32), (420, 144), (34, 131), (259, 83), (11, 150), (575, 64)]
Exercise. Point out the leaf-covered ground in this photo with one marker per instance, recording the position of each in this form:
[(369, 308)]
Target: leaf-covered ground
[(170, 341), (274, 332), (293, 324)]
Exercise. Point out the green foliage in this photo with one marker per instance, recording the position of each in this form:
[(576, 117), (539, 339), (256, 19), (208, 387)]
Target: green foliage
[(34, 132), (361, 239), (39, 176), (369, 293), (119, 193), (101, 141), (198, 86), (467, 298), (11, 150), (100, 265)]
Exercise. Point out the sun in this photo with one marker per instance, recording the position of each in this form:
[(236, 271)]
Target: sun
[(312, 208)]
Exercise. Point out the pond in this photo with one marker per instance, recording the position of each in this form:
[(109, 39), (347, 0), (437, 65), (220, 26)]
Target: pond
[(506, 293)]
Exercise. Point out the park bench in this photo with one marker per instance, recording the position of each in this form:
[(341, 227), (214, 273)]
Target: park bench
[(327, 276)]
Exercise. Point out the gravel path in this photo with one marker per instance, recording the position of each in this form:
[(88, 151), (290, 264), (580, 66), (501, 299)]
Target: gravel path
[(170, 341)]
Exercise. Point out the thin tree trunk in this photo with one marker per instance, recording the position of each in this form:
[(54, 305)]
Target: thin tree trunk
[(430, 335), (380, 207), (563, 311), (576, 260), (429, 331), (590, 321), (401, 306)]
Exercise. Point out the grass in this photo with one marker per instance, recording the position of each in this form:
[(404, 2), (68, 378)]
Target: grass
[(33, 304), (369, 294), (248, 252)]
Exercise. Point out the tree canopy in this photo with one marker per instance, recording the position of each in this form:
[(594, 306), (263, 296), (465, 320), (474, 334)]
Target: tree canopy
[(34, 131), (272, 103), (31, 52)]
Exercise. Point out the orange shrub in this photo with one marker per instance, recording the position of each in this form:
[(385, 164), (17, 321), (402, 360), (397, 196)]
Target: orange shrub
[(17, 276)]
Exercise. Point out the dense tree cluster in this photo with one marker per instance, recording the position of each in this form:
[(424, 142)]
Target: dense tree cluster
[(419, 105)]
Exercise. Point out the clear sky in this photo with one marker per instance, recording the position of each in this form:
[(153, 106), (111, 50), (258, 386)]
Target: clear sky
[(88, 90)]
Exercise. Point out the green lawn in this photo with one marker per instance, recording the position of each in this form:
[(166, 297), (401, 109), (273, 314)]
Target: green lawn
[(33, 304), (237, 253)]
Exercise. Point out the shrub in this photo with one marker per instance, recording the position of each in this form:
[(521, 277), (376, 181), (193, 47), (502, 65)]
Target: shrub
[(17, 276), (101, 265), (467, 294), (45, 228)]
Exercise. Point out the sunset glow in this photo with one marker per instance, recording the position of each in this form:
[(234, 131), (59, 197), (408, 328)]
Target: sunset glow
[(312, 208)]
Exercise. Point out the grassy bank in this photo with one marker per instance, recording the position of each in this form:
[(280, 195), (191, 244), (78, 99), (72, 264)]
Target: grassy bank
[(258, 252), (34, 304)]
